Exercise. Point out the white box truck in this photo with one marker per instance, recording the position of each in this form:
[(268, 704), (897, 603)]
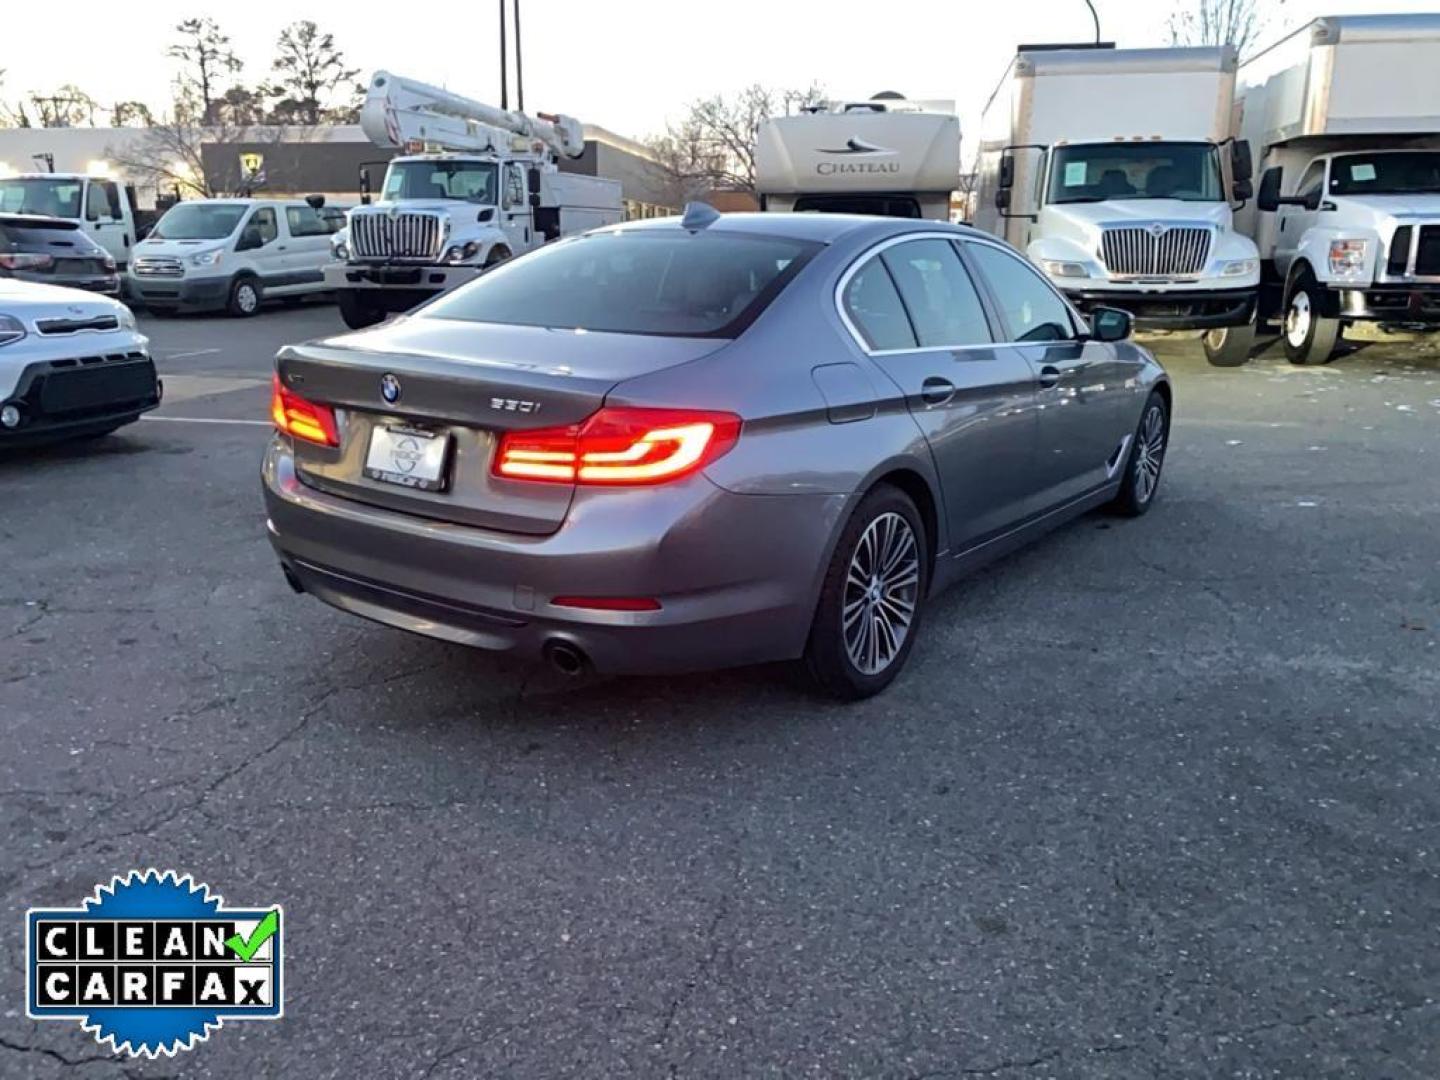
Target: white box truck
[(1344, 115), (887, 156), (101, 206), (1115, 172)]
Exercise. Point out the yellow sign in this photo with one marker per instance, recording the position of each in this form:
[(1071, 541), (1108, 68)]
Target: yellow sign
[(250, 164)]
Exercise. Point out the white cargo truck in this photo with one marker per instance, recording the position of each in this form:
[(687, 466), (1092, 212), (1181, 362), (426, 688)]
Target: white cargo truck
[(1344, 115), (1115, 172), (101, 206), (475, 186), (885, 156)]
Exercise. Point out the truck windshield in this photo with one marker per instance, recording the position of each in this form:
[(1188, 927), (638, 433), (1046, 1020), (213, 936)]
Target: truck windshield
[(1134, 170), (199, 221), (662, 282), (41, 195), (1409, 173), (470, 180)]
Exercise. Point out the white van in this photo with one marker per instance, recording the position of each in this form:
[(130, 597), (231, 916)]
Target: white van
[(231, 254)]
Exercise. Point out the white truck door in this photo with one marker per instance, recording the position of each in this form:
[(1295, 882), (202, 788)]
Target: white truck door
[(105, 219), (515, 217), (1292, 221)]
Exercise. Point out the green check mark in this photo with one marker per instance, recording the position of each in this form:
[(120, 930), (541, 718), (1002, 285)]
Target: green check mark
[(244, 948)]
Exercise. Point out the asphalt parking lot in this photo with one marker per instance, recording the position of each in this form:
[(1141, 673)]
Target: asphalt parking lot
[(1154, 798)]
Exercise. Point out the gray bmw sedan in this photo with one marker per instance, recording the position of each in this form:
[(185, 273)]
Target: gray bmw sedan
[(690, 443)]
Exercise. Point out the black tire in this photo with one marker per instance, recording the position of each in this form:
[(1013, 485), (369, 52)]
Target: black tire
[(498, 254), (828, 653), (245, 297), (355, 311), (1309, 336), (1229, 346), (1137, 492)]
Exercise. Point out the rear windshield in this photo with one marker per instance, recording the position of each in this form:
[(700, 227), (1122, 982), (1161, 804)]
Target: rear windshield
[(199, 221), (665, 283)]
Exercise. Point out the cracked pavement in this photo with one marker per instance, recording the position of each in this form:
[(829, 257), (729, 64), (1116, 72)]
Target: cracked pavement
[(1155, 798)]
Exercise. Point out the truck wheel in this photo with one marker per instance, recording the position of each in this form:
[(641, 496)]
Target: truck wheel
[(1229, 346), (497, 256), (244, 298), (1310, 337), (355, 311)]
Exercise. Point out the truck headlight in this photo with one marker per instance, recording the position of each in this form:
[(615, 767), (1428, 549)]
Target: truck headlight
[(11, 329), (1240, 267), (1347, 258), (1065, 269), (459, 253), (206, 258), (339, 249)]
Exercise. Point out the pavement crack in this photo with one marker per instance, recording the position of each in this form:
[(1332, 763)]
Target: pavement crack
[(1338, 1016)]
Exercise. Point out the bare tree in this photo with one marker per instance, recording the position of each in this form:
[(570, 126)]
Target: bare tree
[(713, 145), (130, 114), (1220, 22), (207, 60), (69, 106), (310, 69), (170, 155), (13, 115)]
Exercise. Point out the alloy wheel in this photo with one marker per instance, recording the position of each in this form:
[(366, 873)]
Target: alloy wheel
[(1149, 453), (882, 588), (246, 299)]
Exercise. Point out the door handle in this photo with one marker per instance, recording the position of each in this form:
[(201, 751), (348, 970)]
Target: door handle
[(280, 247), (936, 391), (1049, 376)]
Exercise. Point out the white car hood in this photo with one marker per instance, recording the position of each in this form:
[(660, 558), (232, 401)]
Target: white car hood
[(28, 301), (1398, 206), (178, 249), (1142, 212)]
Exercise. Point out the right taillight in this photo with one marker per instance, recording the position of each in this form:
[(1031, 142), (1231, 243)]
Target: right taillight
[(293, 415), (619, 446)]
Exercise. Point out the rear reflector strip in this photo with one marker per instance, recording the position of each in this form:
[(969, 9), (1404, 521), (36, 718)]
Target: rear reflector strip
[(608, 603)]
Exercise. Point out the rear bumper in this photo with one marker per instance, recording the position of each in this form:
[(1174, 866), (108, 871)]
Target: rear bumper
[(1179, 309), (104, 284), (1391, 303), (737, 576), (71, 398)]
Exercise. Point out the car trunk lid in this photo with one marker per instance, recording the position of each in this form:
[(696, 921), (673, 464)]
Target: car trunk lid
[(467, 384)]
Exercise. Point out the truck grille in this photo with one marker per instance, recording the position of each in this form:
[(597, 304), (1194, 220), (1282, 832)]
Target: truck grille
[(1427, 252), (106, 387), (1138, 252), (406, 235), (157, 266)]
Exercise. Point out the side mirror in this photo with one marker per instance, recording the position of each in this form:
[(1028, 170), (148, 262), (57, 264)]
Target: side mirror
[(249, 240), (1007, 170), (1110, 324), (315, 202), (1269, 197), (364, 185), (1002, 198), (1312, 200), (1242, 165), (532, 186), (1242, 190)]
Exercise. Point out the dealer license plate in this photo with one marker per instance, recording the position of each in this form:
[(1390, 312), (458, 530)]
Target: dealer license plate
[(408, 457)]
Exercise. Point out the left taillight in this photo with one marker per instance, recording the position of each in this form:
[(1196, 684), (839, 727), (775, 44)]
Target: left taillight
[(293, 415), (619, 446)]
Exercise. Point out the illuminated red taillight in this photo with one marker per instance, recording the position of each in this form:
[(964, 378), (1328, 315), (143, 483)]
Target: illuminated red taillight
[(608, 603), (293, 415), (619, 446)]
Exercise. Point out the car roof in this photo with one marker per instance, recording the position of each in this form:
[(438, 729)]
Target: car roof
[(815, 227)]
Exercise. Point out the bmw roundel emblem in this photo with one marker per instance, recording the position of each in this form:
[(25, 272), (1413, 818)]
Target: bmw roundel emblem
[(390, 389)]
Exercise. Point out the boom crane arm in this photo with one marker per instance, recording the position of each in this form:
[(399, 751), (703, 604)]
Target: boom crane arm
[(399, 110)]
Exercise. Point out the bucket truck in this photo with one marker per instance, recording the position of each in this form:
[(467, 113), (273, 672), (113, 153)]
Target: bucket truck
[(473, 186)]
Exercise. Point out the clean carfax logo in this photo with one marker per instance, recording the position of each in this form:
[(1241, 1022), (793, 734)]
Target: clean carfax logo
[(151, 963)]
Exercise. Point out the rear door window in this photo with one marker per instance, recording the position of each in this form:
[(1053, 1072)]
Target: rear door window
[(666, 282), (873, 305), (944, 307)]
